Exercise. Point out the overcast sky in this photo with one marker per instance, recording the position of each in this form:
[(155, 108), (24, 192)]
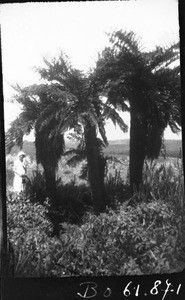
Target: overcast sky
[(31, 31)]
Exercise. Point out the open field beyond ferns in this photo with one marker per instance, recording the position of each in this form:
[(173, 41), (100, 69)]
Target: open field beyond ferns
[(117, 148)]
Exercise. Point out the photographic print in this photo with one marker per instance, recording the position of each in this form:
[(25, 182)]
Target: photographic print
[(93, 136)]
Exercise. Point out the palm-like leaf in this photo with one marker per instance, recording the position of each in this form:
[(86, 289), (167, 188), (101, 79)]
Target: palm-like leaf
[(68, 99), (21, 126), (161, 58), (125, 40), (131, 75), (110, 113), (151, 86), (77, 155)]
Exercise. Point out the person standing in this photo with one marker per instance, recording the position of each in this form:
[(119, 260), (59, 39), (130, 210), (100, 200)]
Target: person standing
[(19, 172)]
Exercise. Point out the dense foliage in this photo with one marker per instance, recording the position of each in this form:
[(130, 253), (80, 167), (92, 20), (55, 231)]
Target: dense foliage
[(137, 240), (125, 78), (69, 99), (84, 212), (129, 238), (28, 232), (147, 85)]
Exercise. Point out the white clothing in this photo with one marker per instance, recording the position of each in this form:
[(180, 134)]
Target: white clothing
[(19, 171)]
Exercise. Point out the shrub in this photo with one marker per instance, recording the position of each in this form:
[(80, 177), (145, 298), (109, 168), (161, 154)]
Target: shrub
[(138, 240), (145, 238), (74, 201), (36, 186), (28, 233), (116, 190), (164, 181)]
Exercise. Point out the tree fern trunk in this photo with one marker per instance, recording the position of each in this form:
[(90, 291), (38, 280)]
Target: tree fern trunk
[(96, 168), (137, 149)]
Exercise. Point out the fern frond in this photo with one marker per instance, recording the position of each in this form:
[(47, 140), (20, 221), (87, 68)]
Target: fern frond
[(76, 151), (76, 159), (18, 128), (126, 41), (162, 58), (110, 113)]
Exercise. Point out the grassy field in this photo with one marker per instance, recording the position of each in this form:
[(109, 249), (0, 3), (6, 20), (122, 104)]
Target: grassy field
[(121, 147), (117, 148), (118, 168)]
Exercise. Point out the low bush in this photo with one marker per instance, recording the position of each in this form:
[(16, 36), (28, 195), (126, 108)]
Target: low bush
[(164, 181), (74, 201), (36, 187), (134, 237), (116, 190), (139, 240), (28, 233), (143, 239)]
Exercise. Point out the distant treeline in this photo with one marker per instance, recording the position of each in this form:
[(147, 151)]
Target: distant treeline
[(115, 148)]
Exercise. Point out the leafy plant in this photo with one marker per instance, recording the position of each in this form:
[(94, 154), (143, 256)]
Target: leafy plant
[(131, 237), (165, 181), (136, 240), (28, 233)]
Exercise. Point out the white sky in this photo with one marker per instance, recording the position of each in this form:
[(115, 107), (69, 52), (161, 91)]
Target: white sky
[(31, 31)]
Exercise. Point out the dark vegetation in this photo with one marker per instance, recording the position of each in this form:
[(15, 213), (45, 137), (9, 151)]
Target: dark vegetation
[(99, 208), (142, 234), (142, 83)]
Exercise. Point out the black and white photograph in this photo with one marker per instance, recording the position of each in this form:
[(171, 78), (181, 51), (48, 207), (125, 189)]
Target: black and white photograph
[(93, 139)]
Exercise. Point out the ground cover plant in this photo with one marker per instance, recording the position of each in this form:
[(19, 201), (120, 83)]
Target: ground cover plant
[(139, 234)]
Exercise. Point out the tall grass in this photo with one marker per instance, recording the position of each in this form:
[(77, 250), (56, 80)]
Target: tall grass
[(165, 181)]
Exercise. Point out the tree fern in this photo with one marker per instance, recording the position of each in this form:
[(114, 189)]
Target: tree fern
[(128, 74)]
